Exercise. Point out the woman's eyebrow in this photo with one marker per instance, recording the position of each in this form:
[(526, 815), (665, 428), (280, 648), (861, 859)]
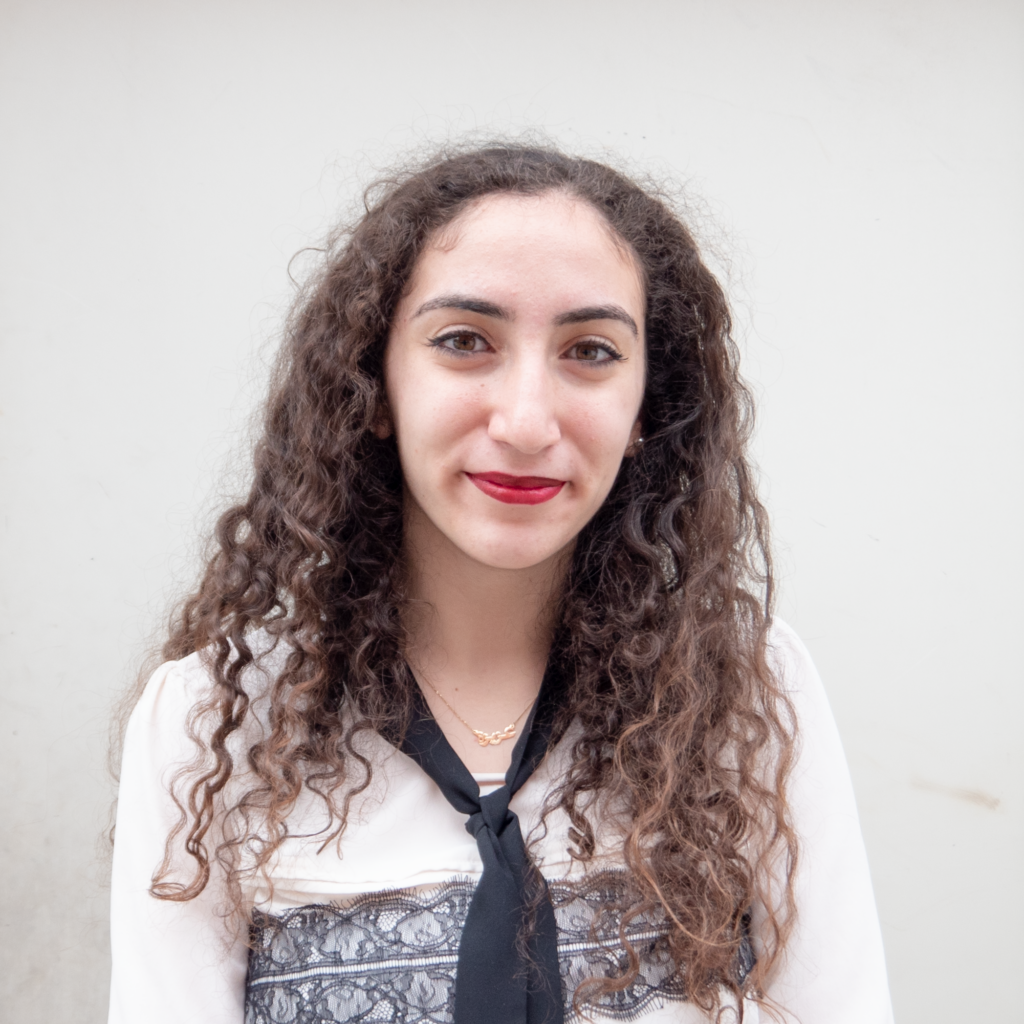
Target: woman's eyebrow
[(466, 303), (485, 308), (609, 312)]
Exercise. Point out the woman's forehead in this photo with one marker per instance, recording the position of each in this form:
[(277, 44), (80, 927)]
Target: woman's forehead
[(547, 244), (565, 214)]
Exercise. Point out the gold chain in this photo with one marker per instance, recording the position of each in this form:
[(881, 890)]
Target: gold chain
[(485, 739)]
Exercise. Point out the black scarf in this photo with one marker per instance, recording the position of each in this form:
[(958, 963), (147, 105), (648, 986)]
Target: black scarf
[(494, 984)]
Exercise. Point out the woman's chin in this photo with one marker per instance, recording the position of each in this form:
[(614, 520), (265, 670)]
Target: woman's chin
[(500, 554)]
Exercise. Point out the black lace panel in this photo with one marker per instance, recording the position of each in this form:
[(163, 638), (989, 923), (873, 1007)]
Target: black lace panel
[(392, 956)]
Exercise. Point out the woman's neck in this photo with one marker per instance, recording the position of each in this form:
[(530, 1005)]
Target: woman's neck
[(478, 636)]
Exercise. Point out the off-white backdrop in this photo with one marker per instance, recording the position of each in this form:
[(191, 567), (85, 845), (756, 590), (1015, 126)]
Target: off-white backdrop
[(860, 164)]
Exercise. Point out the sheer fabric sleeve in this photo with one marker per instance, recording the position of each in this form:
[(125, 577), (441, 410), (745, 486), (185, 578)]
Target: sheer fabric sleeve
[(173, 963), (833, 969)]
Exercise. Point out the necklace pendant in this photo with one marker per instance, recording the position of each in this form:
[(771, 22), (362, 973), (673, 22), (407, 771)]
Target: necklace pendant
[(492, 739)]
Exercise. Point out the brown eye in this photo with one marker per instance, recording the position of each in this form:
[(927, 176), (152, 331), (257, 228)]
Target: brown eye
[(592, 352), (461, 342)]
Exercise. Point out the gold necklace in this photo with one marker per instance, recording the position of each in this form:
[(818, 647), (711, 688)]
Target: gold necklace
[(485, 739)]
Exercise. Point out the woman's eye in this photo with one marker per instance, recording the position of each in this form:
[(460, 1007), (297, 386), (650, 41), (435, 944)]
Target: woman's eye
[(592, 352), (463, 342)]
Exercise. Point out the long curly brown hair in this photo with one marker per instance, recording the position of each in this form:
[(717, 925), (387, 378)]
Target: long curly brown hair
[(663, 618)]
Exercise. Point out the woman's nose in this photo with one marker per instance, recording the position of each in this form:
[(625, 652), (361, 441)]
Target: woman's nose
[(523, 413)]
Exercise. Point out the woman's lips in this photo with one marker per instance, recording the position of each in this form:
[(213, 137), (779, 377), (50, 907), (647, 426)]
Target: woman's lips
[(517, 490)]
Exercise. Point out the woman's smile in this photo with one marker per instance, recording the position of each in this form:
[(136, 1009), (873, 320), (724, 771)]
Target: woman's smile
[(517, 490)]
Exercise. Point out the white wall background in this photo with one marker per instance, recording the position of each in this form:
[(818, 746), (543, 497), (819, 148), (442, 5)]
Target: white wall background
[(864, 160)]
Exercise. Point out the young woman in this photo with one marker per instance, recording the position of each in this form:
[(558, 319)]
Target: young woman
[(479, 713)]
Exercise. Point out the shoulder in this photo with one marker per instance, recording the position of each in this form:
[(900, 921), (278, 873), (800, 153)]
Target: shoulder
[(168, 717), (819, 790), (799, 681), (790, 659)]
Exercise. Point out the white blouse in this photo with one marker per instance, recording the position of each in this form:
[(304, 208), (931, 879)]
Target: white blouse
[(380, 917)]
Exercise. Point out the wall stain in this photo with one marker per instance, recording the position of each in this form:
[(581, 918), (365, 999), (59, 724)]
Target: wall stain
[(972, 796)]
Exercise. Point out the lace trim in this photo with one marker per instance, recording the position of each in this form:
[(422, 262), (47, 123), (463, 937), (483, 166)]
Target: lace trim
[(393, 956), (589, 947)]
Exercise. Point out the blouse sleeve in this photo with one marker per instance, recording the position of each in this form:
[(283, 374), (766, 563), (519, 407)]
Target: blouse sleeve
[(173, 963), (833, 968)]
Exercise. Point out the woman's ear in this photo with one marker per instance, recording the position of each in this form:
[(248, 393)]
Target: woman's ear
[(380, 422), (635, 440)]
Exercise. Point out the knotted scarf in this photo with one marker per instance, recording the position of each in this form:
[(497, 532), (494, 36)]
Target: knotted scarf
[(494, 983)]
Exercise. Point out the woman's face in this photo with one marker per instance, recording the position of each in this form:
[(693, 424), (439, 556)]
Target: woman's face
[(514, 374)]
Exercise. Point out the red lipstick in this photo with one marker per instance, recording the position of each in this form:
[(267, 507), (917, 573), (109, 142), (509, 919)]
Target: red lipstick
[(517, 490)]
